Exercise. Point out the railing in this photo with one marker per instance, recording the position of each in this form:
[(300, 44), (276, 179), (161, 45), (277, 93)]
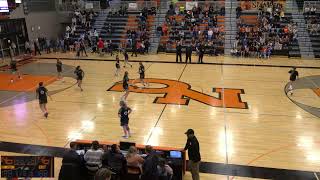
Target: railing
[(5, 52)]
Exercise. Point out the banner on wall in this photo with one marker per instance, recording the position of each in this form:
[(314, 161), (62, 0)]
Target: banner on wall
[(133, 6), (255, 5), (191, 5)]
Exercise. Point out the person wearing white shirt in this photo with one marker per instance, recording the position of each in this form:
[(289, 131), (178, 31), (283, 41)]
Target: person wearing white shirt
[(210, 33)]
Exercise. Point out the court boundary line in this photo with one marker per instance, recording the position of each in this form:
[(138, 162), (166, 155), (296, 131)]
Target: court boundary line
[(163, 108), (171, 62)]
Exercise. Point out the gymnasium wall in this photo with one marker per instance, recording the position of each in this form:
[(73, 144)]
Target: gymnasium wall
[(47, 20)]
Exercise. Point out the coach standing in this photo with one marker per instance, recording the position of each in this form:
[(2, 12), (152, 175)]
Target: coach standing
[(178, 52), (193, 148), (188, 53)]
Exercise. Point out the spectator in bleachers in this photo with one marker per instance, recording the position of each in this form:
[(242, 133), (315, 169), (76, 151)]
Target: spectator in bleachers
[(146, 46), (263, 36), (100, 46), (313, 10), (72, 165), (93, 158), (36, 47), (27, 47), (238, 11)]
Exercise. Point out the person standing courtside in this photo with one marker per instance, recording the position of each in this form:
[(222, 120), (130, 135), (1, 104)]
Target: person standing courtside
[(293, 77), (178, 52), (42, 94), (188, 53), (193, 148), (59, 68), (201, 51), (134, 48)]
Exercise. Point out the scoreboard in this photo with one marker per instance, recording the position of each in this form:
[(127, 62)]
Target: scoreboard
[(27, 166)]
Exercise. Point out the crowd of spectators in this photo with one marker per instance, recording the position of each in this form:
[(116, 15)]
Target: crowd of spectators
[(273, 31), (111, 160), (137, 38), (312, 19), (192, 27)]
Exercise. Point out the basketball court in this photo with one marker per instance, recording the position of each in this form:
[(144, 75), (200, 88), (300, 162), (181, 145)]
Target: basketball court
[(238, 109)]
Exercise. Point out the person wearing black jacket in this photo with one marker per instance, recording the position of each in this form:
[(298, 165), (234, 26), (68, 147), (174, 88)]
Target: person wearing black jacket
[(115, 161), (150, 165), (188, 53), (72, 165), (178, 52), (201, 51), (193, 148)]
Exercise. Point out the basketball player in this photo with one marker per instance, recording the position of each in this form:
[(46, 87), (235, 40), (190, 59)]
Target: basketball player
[(14, 70), (117, 66), (142, 74), (41, 94), (80, 74), (125, 85), (123, 114), (126, 58), (293, 76), (59, 68)]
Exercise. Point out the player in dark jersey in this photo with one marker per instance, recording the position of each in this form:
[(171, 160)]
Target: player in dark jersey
[(123, 114), (117, 66), (41, 94), (125, 85), (80, 74), (14, 70), (294, 75), (59, 68), (142, 74), (126, 59)]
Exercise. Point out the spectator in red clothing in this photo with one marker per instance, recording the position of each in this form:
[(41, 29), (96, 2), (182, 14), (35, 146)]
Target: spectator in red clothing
[(100, 46), (164, 29)]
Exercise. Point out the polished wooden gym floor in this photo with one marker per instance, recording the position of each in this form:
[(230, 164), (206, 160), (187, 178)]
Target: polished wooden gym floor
[(267, 130)]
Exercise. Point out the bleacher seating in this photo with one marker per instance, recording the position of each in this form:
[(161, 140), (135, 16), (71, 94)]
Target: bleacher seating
[(313, 24), (181, 26), (278, 39)]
